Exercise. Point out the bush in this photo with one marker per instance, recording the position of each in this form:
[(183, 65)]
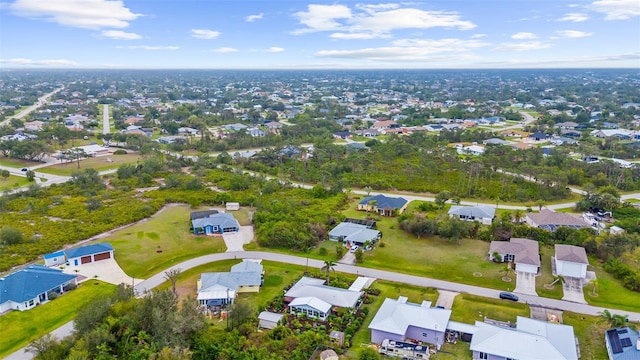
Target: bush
[(120, 152), (70, 287), (323, 251), (52, 295)]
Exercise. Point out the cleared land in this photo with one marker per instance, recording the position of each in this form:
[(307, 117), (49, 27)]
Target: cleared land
[(20, 328), (161, 241), (99, 163), (13, 182)]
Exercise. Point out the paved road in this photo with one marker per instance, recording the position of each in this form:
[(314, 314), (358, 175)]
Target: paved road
[(158, 279), (41, 101), (106, 127)]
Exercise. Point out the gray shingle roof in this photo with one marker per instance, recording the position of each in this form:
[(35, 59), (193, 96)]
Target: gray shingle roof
[(385, 201), (571, 253), (478, 211), (525, 251)]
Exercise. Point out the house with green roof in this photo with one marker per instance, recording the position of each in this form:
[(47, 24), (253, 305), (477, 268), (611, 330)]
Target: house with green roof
[(24, 289)]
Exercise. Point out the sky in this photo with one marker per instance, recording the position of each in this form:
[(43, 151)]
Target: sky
[(298, 34)]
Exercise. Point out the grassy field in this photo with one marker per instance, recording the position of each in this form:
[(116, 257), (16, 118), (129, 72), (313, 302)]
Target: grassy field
[(609, 292), (13, 182), (99, 163), (546, 277), (20, 328), (590, 333), (137, 247), (17, 163), (469, 308)]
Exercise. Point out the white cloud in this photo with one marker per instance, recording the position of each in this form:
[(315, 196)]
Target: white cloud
[(225, 50), (89, 14), (205, 34), (149, 47), (573, 34), (408, 50), (524, 46), (252, 18), (575, 17), (524, 36), (45, 62), (274, 49), (358, 36), (374, 21), (321, 18), (120, 35), (478, 36), (617, 9)]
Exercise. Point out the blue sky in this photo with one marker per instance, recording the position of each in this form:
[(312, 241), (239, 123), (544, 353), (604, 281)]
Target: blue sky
[(276, 34)]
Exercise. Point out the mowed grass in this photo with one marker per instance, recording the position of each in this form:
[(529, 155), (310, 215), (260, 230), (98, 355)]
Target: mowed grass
[(546, 278), (160, 242), (99, 163), (432, 256), (21, 328), (13, 182), (590, 333), (468, 308), (18, 163), (609, 292)]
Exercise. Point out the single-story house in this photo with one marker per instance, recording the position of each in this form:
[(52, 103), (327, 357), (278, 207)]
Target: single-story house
[(88, 254), (54, 259), (530, 339), (28, 287), (495, 141), (539, 136), (399, 320), (219, 223), (383, 205), (268, 320), (482, 213), (524, 253), (550, 220), (571, 261), (235, 127), (622, 344), (354, 234), (470, 149), (221, 288), (232, 206), (311, 297)]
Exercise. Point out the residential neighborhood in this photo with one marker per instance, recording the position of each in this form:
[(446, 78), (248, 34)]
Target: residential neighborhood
[(414, 215)]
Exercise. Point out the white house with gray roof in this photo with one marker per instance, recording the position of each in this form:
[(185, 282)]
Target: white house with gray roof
[(571, 261), (482, 213), (311, 297), (221, 288), (529, 340), (399, 320), (354, 234), (524, 253)]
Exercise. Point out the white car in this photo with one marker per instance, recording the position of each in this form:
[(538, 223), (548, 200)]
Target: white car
[(354, 248)]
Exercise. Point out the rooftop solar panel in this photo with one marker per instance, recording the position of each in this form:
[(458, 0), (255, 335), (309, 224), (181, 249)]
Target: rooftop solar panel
[(614, 341), (626, 342)]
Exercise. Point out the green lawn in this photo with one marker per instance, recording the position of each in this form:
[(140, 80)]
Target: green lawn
[(99, 163), (460, 350), (432, 256), (18, 163), (609, 292), (469, 308), (590, 333), (13, 182), (20, 328), (137, 247), (546, 277)]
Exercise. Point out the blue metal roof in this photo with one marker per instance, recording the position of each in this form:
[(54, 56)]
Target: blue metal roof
[(54, 255), (26, 284), (385, 201), (222, 220), (89, 250)]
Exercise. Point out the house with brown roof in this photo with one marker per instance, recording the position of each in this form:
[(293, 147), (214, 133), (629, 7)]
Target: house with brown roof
[(524, 253), (133, 120), (571, 261), (550, 220), (384, 124)]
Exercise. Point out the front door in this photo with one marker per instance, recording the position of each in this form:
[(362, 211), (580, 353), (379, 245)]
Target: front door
[(75, 262)]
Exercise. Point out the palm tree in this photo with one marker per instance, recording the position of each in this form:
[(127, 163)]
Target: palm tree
[(594, 289), (518, 215), (507, 270), (614, 320), (329, 265), (557, 278)]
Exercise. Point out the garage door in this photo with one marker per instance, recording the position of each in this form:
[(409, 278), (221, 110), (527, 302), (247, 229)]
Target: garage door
[(85, 259), (103, 256)]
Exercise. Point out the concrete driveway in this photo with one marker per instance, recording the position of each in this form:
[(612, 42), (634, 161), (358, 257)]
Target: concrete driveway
[(445, 298), (107, 270), (235, 241), (525, 283), (572, 288)]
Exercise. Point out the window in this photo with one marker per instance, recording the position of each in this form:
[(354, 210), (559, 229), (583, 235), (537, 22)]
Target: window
[(31, 302), (483, 356)]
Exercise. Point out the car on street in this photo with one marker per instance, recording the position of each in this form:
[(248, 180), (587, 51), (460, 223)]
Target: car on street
[(24, 169), (508, 296)]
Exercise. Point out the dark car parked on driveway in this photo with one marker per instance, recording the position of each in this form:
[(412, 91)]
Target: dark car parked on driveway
[(508, 296)]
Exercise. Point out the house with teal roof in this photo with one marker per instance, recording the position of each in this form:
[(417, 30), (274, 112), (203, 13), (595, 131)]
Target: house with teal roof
[(24, 289)]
